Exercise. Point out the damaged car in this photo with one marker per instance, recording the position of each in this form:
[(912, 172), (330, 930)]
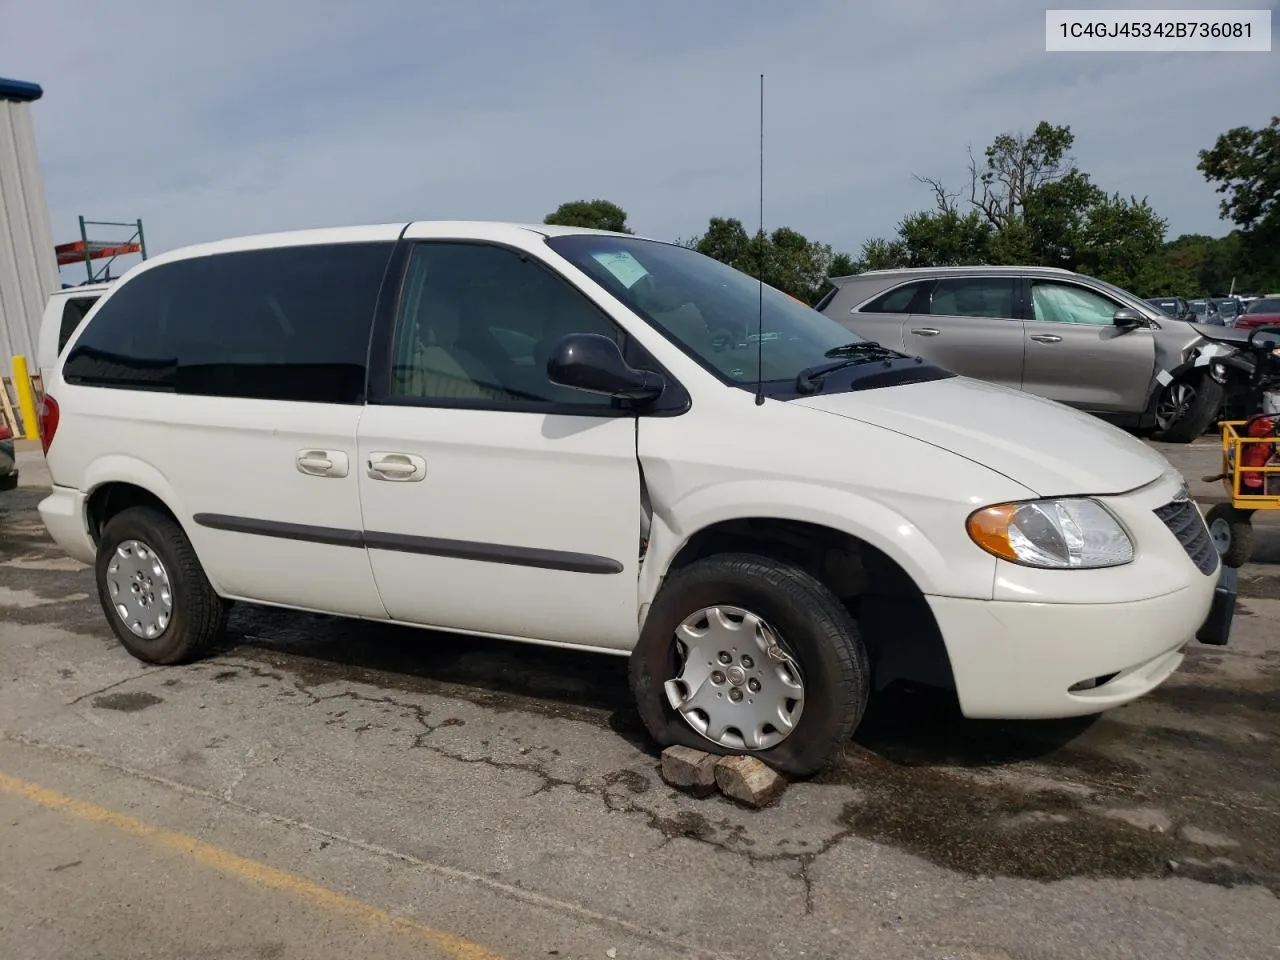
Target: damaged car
[(1051, 332)]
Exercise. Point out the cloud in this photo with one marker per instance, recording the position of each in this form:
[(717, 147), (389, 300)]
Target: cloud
[(211, 120)]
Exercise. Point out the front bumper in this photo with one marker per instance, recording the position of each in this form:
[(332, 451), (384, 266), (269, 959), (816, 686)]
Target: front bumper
[(1216, 629), (1015, 660)]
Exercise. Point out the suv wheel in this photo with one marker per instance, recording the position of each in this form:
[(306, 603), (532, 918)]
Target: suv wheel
[(1187, 408), (747, 655), (153, 590)]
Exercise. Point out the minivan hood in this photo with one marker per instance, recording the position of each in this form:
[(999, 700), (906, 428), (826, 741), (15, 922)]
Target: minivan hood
[(1046, 446)]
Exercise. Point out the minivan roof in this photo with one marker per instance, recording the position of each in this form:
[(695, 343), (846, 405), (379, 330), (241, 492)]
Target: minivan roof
[(486, 229)]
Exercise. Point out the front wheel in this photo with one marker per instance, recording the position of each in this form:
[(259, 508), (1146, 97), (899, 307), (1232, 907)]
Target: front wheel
[(742, 654), (1232, 533), (1186, 408)]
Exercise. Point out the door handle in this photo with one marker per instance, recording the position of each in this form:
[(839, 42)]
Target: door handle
[(925, 331), (1046, 338), (397, 467), (322, 463)]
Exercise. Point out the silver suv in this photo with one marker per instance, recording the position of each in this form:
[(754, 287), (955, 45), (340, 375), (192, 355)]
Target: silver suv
[(1051, 332)]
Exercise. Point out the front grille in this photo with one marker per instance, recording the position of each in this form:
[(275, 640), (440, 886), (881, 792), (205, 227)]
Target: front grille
[(1184, 520)]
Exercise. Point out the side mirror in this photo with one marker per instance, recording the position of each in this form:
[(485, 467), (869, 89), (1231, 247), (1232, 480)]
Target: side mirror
[(1264, 339), (1128, 319), (592, 362)]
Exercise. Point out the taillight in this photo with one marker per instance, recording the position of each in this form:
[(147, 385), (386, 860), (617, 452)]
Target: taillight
[(48, 421), (5, 432)]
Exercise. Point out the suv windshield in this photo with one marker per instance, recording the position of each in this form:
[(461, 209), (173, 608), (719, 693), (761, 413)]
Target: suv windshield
[(1264, 306), (707, 308)]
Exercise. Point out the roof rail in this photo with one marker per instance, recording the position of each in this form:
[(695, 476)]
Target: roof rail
[(967, 268)]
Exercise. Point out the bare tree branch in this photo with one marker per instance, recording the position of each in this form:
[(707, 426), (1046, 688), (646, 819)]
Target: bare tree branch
[(945, 199)]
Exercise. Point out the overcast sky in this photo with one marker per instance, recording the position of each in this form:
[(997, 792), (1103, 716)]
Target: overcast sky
[(239, 116)]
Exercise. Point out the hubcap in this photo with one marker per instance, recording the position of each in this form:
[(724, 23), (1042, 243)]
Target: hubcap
[(1174, 404), (140, 591), (736, 684), (1220, 534)]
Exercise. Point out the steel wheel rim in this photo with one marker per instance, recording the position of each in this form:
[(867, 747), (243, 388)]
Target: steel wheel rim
[(1220, 534), (736, 685), (139, 588), (1174, 404)]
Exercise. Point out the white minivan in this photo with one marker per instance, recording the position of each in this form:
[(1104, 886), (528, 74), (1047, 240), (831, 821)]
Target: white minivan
[(593, 440)]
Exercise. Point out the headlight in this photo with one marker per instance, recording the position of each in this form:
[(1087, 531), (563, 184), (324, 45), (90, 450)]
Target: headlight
[(1054, 534)]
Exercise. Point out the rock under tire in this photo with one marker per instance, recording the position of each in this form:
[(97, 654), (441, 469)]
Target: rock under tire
[(815, 626), (199, 614)]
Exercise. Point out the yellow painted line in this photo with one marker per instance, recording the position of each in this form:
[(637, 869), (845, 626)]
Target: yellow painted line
[(251, 871)]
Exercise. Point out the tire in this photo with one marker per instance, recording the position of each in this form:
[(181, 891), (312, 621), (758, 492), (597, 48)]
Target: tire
[(196, 614), (1232, 533), (1197, 415), (811, 624)]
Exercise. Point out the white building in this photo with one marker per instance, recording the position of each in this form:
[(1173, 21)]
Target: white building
[(28, 265)]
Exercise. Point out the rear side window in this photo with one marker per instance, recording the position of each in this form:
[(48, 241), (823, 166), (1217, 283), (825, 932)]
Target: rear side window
[(288, 323), (72, 313), (974, 297), (897, 300)]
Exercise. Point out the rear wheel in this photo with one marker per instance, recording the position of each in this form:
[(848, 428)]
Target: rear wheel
[(1231, 530), (1186, 408), (153, 590), (741, 654)]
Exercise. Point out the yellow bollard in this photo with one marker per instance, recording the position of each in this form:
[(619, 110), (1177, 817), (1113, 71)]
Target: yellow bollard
[(26, 398)]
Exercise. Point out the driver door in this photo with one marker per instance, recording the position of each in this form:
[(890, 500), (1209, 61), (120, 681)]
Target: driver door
[(1075, 353), (494, 501)]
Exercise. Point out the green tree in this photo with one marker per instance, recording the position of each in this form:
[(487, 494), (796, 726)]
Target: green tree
[(1120, 239), (1245, 164), (726, 240), (1028, 203), (784, 259), (592, 214), (944, 238)]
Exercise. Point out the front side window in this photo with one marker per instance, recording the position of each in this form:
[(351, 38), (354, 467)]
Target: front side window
[(1066, 303), (286, 323), (477, 324), (708, 309), (974, 297)]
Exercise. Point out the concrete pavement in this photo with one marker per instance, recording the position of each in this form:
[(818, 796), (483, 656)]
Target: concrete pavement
[(320, 787)]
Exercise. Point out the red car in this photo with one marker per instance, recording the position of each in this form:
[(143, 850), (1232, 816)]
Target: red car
[(1260, 313)]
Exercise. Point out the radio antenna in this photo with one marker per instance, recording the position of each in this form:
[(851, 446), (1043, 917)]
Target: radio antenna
[(760, 266)]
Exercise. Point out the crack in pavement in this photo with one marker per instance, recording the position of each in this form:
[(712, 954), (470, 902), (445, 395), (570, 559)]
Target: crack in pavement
[(110, 686), (689, 824), (566, 907)]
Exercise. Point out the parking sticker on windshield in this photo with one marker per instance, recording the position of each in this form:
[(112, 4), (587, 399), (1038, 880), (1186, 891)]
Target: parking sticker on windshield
[(623, 266)]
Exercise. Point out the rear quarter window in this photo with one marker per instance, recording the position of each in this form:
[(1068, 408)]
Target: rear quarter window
[(898, 300), (287, 323), (73, 312)]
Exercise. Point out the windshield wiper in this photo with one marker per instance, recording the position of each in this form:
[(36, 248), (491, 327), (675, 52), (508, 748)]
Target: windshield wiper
[(849, 354)]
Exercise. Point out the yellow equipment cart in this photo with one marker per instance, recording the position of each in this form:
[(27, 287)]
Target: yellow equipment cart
[(1251, 477)]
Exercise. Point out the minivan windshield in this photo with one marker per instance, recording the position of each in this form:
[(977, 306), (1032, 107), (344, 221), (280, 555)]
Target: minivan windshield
[(710, 310)]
